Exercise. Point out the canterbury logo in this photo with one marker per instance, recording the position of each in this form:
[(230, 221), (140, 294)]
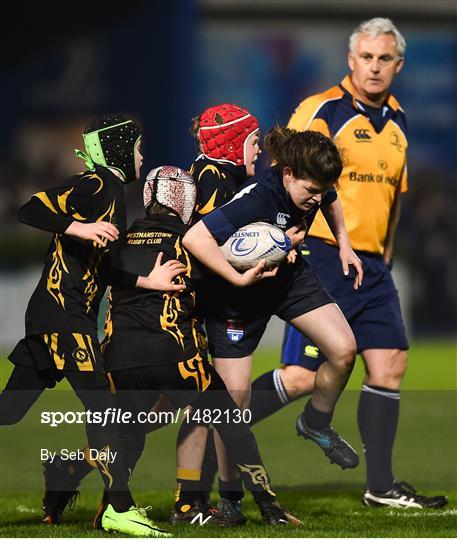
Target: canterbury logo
[(281, 219), (311, 351), (362, 135)]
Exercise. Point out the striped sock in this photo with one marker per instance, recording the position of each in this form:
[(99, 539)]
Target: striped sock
[(268, 395)]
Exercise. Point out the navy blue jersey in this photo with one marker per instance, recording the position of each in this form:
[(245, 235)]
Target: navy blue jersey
[(262, 198)]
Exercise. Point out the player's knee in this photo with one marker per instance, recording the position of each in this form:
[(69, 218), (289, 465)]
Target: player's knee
[(402, 361), (237, 381), (241, 397), (297, 381), (344, 355), (395, 368), (390, 370)]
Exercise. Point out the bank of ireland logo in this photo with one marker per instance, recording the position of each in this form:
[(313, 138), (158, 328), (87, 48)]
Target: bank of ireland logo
[(235, 330), (362, 135)]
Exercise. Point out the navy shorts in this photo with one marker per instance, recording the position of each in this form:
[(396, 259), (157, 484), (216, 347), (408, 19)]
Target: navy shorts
[(373, 311), (236, 318)]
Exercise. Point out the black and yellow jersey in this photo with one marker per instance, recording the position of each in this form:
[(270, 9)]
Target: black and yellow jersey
[(217, 182), (76, 272), (145, 327), (373, 148)]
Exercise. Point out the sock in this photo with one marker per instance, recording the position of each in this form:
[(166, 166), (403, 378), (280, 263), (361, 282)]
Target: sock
[(187, 488), (74, 469), (244, 452), (268, 396), (112, 471), (378, 419), (131, 445), (118, 492), (240, 444), (121, 501), (232, 490), (314, 418), (96, 397), (209, 467)]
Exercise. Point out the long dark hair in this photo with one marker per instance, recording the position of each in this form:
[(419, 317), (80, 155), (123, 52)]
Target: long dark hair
[(308, 153)]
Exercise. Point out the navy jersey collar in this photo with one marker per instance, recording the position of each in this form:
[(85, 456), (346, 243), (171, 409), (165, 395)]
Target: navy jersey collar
[(390, 108)]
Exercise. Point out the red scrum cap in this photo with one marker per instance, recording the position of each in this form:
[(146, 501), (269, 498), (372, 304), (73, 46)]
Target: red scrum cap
[(223, 131)]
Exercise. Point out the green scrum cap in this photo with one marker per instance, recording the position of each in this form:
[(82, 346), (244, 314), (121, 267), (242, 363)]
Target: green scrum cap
[(110, 141)]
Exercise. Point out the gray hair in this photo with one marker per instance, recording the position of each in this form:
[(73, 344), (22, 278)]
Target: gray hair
[(377, 27)]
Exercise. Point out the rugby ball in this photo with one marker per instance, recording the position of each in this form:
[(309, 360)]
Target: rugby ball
[(254, 242)]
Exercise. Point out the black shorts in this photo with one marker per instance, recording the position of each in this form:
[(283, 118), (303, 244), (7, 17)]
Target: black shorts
[(194, 382), (236, 318), (136, 345), (59, 352), (373, 311), (183, 383)]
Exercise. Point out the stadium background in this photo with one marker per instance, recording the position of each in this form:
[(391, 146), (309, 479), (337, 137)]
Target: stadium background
[(163, 62)]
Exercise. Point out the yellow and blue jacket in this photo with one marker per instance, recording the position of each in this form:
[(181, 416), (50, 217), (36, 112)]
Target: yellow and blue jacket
[(374, 156)]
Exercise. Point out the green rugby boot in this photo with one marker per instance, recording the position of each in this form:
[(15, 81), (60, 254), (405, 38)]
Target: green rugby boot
[(134, 522)]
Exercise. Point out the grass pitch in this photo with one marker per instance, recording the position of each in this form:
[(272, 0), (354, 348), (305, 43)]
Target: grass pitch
[(324, 497)]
